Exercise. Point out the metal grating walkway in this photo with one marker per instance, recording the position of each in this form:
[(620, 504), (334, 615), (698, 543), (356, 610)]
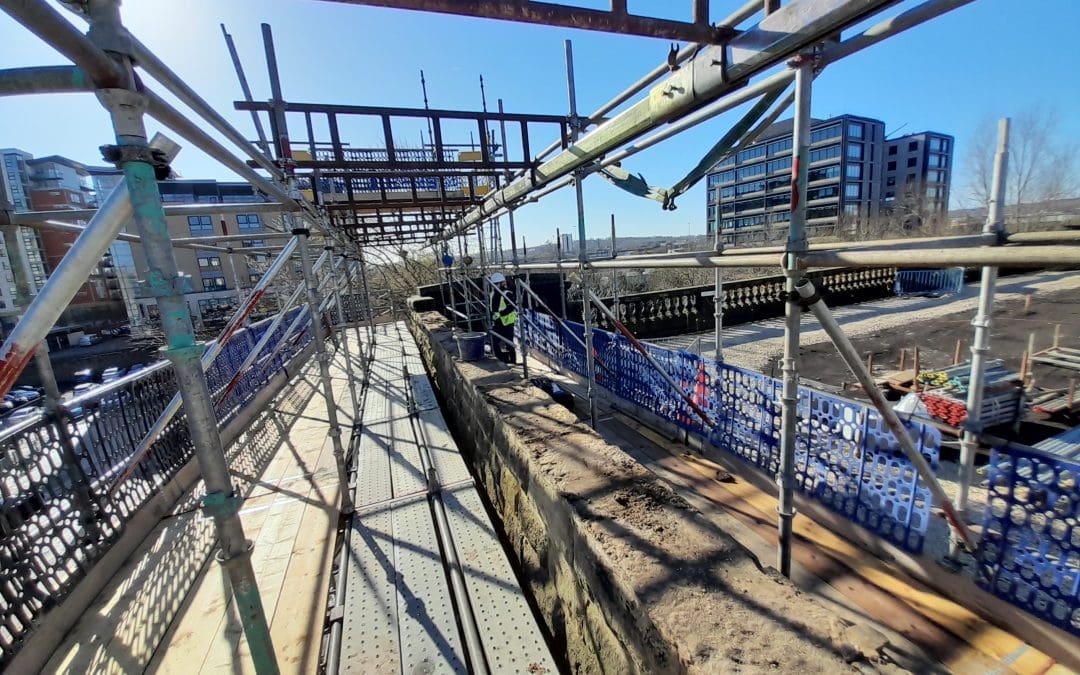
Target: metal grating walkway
[(400, 615)]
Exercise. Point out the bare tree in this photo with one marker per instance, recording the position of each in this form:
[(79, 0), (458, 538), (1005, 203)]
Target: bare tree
[(1042, 161)]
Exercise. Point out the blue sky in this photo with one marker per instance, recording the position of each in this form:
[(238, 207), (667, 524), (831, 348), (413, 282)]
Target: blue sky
[(985, 60)]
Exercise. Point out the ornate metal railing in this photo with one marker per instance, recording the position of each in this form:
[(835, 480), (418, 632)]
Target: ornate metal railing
[(57, 516), (689, 310)]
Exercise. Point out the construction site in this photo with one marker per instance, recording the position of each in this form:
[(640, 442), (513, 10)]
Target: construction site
[(419, 445)]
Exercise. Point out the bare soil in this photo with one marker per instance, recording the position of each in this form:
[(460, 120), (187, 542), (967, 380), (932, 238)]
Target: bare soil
[(936, 339)]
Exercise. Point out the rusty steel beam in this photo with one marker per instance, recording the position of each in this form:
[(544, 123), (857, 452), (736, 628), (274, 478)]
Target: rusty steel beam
[(564, 16)]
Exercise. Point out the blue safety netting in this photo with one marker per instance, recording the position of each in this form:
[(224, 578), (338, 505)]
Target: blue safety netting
[(845, 456), (1030, 549)]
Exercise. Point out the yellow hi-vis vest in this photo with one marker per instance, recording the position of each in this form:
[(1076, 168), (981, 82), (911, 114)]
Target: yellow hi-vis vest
[(507, 319)]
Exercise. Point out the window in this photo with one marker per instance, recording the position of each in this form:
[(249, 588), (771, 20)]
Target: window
[(749, 205), (728, 161), (855, 130), (910, 178), (777, 183), (912, 146), (827, 192), (726, 177), (252, 243), (891, 166), (892, 149), (207, 262), (851, 209), (912, 161), (823, 173), (939, 145), (214, 283), (890, 181), (824, 134), (779, 164), (200, 226), (854, 150), (937, 160), (749, 188), (751, 153), (821, 212), (822, 154), (890, 194), (780, 217), (853, 171), (752, 170), (852, 190), (248, 222), (777, 147), (778, 200), (936, 176)]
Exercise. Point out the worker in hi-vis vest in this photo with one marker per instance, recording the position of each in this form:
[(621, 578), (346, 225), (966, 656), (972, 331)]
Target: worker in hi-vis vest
[(503, 318)]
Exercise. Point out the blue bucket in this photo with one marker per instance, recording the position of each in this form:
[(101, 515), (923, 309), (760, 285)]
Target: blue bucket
[(471, 345)]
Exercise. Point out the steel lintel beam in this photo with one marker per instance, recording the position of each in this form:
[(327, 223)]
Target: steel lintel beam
[(565, 16)]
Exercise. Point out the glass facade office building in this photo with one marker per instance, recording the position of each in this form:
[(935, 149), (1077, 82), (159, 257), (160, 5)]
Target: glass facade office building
[(749, 194)]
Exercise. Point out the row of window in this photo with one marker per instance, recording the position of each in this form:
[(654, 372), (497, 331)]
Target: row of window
[(202, 226)]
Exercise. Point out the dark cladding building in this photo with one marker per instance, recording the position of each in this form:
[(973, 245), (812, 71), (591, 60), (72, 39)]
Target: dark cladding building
[(749, 193)]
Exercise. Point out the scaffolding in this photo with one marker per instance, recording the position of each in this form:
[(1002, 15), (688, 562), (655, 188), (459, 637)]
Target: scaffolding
[(348, 198)]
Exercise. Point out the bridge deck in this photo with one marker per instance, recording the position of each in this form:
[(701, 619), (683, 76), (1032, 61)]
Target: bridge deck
[(168, 609)]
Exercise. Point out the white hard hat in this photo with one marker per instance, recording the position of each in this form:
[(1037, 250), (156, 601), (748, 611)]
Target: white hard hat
[(497, 278)]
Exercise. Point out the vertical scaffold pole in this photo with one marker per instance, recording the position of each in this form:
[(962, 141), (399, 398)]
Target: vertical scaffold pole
[(579, 176), (614, 273), (367, 303), (343, 326), (126, 108), (522, 340), (323, 357), (350, 286), (718, 288), (796, 244), (562, 274), (980, 345)]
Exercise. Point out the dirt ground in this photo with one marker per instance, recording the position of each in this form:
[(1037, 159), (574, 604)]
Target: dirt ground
[(936, 339)]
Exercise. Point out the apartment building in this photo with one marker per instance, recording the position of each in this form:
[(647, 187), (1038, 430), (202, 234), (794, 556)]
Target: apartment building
[(219, 280), (748, 194), (918, 173)]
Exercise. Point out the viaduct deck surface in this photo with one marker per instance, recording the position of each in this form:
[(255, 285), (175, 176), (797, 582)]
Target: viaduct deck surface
[(399, 615), (168, 609), (919, 622)]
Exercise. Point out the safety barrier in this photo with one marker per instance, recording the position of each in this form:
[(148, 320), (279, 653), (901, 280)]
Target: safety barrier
[(1030, 549), (57, 517), (926, 282), (845, 457)]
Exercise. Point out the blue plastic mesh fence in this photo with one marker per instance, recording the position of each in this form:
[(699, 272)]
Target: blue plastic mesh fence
[(1030, 548), (845, 457)]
